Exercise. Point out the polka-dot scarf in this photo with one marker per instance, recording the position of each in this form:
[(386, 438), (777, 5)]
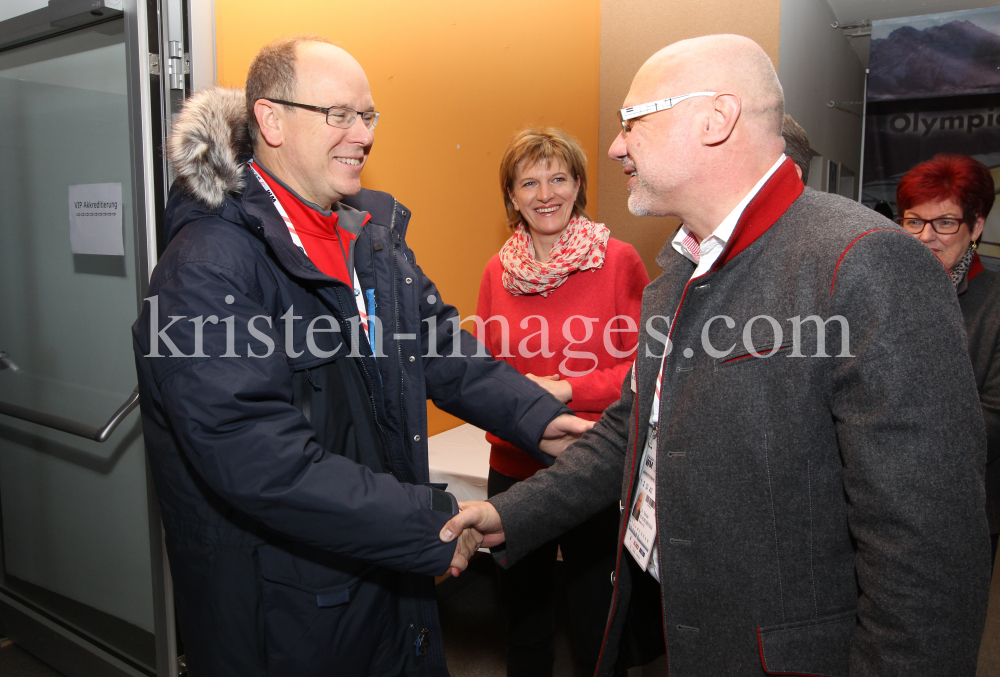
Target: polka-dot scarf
[(580, 247)]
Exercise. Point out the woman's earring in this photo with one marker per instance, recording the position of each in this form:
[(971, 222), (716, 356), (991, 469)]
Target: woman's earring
[(974, 245)]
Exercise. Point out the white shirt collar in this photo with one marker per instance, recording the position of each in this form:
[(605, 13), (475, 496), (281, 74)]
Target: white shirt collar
[(711, 247)]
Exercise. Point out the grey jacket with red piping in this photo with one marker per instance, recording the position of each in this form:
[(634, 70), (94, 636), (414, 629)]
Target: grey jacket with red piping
[(815, 515)]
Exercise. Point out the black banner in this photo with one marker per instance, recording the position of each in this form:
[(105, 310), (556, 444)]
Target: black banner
[(933, 87)]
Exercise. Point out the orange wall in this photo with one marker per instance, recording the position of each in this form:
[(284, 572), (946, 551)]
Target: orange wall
[(453, 80)]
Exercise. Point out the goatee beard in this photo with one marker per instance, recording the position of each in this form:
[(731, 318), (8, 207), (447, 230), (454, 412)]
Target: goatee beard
[(636, 206)]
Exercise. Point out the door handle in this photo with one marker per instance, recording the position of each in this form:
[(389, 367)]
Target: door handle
[(6, 363), (66, 425)]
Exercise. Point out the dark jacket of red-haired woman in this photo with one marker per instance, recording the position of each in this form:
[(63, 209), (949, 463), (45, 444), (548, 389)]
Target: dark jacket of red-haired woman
[(979, 297), (944, 203)]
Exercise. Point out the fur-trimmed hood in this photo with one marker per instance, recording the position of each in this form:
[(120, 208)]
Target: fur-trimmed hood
[(208, 150), (210, 144)]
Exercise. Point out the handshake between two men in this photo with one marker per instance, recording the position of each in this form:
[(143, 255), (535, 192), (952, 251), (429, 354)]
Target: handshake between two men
[(478, 523)]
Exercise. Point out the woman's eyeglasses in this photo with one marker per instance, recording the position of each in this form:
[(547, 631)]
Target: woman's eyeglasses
[(942, 226)]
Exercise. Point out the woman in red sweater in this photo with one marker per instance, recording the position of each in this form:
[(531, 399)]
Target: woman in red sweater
[(564, 298)]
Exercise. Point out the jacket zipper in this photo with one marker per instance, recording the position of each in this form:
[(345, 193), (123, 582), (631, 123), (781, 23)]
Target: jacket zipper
[(371, 398), (395, 302), (421, 642)]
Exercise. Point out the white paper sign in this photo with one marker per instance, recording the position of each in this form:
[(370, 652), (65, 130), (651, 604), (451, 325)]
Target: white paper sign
[(95, 219)]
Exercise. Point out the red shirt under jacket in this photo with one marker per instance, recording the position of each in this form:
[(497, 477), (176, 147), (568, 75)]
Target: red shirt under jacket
[(599, 295), (317, 231)]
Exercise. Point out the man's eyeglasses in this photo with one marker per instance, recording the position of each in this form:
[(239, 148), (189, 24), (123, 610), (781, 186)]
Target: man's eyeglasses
[(633, 112), (337, 116), (942, 226)]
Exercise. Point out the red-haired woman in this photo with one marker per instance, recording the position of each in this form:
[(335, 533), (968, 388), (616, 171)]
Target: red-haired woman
[(569, 297), (944, 203)]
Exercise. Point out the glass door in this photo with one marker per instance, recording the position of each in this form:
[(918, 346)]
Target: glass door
[(83, 582)]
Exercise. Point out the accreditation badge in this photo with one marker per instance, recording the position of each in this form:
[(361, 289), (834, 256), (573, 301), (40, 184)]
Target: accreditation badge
[(640, 536)]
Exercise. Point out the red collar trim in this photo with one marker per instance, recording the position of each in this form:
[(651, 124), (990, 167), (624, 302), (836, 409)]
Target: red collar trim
[(976, 267), (768, 205)]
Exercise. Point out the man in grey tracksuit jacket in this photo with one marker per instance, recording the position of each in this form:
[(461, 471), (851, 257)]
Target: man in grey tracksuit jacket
[(815, 515)]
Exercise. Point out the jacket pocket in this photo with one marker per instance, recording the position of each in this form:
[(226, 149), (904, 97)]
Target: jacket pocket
[(321, 610), (323, 576), (819, 647), (763, 352)]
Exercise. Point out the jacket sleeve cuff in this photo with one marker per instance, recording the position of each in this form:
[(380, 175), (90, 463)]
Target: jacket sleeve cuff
[(435, 556), (509, 552), (442, 501), (532, 426)]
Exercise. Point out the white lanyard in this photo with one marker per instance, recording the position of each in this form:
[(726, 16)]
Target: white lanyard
[(359, 298)]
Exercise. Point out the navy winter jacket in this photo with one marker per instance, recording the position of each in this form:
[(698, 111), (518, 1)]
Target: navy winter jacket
[(291, 465)]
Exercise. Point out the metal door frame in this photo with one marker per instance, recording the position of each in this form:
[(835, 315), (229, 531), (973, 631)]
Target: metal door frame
[(151, 105)]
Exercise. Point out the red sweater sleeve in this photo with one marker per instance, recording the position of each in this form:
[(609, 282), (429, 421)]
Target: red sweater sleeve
[(601, 387)]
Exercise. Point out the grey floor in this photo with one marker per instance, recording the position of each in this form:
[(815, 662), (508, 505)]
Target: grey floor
[(474, 635)]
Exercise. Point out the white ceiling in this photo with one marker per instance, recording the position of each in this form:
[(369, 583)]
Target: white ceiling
[(853, 11)]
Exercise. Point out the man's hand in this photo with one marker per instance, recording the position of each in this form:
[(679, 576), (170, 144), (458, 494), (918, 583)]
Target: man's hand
[(561, 390), (476, 525), (561, 432)]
